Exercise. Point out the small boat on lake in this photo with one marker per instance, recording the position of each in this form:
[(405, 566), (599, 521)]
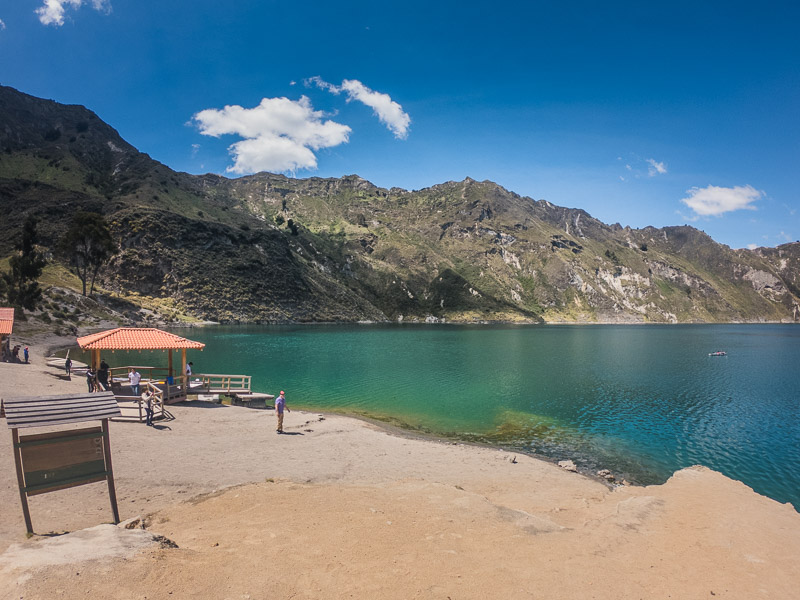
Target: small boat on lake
[(718, 353)]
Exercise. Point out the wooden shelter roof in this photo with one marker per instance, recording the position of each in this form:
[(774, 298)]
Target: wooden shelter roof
[(137, 338), (43, 411), (6, 321)]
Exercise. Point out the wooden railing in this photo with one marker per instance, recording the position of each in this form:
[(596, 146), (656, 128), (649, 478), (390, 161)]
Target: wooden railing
[(121, 373), (157, 401), (158, 394), (170, 388), (176, 388), (219, 384), (137, 404)]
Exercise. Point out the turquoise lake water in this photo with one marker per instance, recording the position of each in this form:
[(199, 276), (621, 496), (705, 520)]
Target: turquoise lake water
[(641, 400)]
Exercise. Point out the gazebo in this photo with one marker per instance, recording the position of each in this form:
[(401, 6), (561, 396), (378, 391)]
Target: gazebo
[(138, 338), (164, 383), (6, 327)]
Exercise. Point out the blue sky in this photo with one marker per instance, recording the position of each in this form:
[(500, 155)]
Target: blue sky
[(640, 113)]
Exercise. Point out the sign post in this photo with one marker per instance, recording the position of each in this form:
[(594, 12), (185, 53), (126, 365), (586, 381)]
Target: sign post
[(57, 460)]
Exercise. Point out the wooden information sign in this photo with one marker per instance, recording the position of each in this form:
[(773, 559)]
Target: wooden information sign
[(58, 460)]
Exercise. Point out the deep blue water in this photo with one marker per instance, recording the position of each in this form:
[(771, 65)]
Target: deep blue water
[(642, 400)]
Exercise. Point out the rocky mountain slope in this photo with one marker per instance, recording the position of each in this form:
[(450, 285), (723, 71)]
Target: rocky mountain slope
[(270, 248)]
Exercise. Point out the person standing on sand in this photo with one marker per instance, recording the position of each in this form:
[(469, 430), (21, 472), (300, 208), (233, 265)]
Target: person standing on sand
[(68, 367), (25, 352), (90, 379), (102, 375), (148, 407), (134, 377), (280, 406)]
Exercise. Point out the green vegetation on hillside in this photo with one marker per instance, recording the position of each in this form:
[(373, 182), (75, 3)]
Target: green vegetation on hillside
[(271, 248)]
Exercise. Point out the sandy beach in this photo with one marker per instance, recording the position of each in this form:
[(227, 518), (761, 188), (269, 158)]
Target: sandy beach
[(340, 508)]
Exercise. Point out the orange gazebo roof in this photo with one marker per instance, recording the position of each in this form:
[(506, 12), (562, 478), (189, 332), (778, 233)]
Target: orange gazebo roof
[(6, 321), (137, 338)]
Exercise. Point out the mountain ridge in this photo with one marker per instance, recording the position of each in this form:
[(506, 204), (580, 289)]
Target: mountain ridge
[(270, 248)]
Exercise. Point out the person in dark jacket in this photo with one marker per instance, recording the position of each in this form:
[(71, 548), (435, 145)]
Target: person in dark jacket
[(102, 374), (91, 379)]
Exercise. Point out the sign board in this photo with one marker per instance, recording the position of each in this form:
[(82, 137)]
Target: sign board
[(58, 460)]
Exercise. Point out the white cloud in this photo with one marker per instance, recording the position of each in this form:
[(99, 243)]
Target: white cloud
[(751, 246), (655, 168), (322, 84), (279, 134), (638, 167), (389, 112), (715, 201), (52, 11), (2, 25)]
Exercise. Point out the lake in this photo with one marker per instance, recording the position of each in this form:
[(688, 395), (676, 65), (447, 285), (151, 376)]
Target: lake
[(641, 400)]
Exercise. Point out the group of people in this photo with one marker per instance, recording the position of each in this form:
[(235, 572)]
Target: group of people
[(12, 354), (97, 381), (134, 379)]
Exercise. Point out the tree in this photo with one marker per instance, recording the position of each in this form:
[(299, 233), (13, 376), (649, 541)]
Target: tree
[(88, 245), (20, 285)]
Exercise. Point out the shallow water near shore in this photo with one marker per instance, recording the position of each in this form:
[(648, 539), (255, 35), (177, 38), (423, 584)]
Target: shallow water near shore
[(642, 400)]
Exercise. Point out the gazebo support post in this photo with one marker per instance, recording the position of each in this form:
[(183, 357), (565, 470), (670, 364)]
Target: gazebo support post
[(169, 363), (183, 368)]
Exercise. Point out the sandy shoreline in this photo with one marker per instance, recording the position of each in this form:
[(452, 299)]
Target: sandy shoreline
[(342, 508)]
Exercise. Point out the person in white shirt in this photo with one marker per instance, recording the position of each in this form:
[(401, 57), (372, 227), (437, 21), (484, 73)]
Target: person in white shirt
[(134, 377)]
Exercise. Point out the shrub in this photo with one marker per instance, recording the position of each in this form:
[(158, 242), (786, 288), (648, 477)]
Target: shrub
[(51, 135)]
